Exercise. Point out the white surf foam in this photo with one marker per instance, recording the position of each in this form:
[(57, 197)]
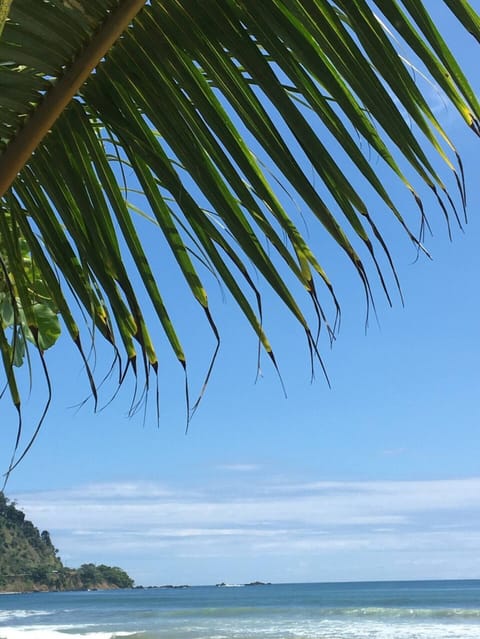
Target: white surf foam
[(378, 630), (46, 632)]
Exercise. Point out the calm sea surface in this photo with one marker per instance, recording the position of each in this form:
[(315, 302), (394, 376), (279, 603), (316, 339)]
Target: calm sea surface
[(379, 610)]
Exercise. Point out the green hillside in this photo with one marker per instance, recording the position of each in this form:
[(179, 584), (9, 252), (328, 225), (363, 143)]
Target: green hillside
[(29, 561)]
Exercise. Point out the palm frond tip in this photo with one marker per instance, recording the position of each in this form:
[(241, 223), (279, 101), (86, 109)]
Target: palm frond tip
[(187, 101)]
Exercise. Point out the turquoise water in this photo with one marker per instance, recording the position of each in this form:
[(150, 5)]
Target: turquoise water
[(376, 610)]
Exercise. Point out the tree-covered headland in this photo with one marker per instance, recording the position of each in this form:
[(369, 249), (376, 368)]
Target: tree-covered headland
[(30, 561)]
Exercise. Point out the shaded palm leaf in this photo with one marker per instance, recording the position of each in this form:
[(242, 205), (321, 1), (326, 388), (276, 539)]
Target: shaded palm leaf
[(186, 97)]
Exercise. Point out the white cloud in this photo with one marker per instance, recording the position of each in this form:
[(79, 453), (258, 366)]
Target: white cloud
[(239, 468), (139, 504), (338, 521)]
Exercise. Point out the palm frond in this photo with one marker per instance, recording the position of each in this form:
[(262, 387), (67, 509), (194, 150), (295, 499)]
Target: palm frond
[(194, 97)]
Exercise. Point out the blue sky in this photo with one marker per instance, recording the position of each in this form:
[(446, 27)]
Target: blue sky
[(375, 478)]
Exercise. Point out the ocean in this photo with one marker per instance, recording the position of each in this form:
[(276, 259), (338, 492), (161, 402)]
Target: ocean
[(367, 610)]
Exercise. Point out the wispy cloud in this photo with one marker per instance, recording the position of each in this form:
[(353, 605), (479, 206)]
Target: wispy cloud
[(240, 468), (393, 452), (136, 520)]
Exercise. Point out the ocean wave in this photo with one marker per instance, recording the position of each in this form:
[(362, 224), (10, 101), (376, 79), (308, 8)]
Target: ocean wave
[(219, 612), (402, 612), (320, 613), (46, 632), (378, 630), (332, 630), (8, 615)]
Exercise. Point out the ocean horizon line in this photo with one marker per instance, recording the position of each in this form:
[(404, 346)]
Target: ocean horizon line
[(299, 583)]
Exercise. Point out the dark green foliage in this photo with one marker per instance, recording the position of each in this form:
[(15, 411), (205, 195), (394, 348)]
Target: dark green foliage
[(46, 538), (115, 576), (91, 575), (29, 560)]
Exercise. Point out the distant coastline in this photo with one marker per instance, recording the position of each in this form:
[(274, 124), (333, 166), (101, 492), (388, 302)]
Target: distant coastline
[(251, 583)]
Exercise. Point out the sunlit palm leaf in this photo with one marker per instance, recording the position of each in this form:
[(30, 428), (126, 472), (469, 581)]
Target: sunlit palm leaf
[(179, 100)]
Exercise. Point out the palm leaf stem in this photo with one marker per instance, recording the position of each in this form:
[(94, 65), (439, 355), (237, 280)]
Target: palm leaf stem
[(4, 10), (53, 105)]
